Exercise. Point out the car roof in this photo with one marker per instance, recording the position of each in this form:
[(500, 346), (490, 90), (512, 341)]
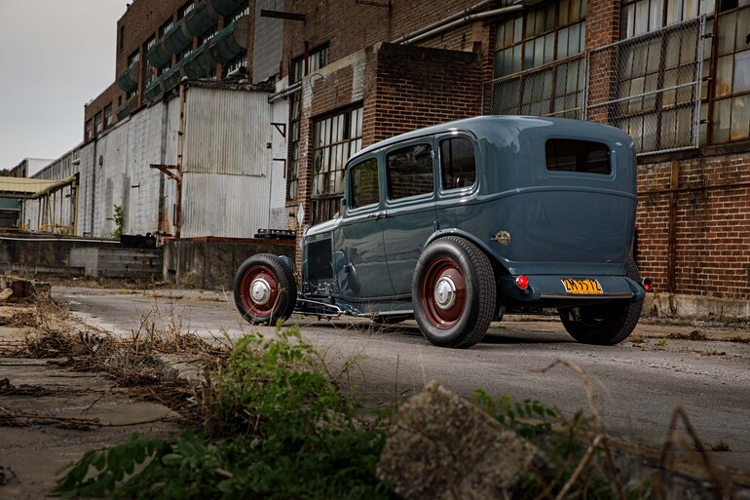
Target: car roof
[(492, 126)]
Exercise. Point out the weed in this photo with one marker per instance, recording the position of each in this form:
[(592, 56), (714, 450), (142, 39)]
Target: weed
[(276, 426), (720, 445), (661, 342), (528, 418), (119, 219)]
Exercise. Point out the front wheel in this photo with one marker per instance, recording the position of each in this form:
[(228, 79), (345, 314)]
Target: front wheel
[(604, 324), (264, 289), (453, 293)]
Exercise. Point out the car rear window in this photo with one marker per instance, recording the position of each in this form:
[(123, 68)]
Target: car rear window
[(572, 155)]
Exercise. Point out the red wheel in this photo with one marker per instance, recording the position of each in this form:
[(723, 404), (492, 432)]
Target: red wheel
[(264, 289), (259, 291), (443, 293), (453, 292)]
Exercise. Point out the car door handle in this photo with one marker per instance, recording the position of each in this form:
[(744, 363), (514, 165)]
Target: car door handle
[(378, 215)]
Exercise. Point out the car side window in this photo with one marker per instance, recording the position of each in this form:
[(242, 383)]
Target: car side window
[(572, 155), (410, 171), (364, 183), (458, 167)]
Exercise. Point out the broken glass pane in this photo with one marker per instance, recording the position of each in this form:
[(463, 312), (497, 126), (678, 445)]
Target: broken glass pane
[(741, 80), (720, 129), (740, 118), (727, 25), (723, 76)]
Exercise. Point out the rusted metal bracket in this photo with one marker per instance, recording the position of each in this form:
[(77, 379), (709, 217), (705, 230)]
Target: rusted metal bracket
[(290, 16), (280, 128), (387, 4), (167, 170)]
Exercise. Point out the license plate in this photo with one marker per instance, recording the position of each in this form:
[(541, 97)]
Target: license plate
[(581, 286)]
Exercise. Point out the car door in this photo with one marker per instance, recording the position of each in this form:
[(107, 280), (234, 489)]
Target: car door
[(408, 214), (363, 273)]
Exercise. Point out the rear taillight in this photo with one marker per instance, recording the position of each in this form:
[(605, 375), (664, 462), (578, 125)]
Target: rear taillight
[(646, 284), (522, 282)]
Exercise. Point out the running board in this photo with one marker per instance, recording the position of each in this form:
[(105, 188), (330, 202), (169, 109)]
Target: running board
[(316, 308)]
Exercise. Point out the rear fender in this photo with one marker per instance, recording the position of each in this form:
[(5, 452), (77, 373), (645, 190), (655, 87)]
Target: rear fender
[(483, 245)]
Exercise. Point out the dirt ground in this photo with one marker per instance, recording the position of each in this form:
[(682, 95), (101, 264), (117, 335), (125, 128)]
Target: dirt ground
[(51, 416)]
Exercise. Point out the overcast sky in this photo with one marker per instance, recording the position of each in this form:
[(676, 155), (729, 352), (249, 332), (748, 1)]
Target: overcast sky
[(55, 56)]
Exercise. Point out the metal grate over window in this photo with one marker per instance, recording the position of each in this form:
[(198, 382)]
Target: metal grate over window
[(650, 86)]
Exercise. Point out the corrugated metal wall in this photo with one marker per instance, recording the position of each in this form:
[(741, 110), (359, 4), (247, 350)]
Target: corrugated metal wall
[(224, 205), (230, 181), (227, 132), (227, 163)]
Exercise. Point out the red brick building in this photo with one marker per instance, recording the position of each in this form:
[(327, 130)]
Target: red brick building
[(674, 74)]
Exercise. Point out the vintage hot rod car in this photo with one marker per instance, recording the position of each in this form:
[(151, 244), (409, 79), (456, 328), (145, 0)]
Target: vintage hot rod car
[(457, 224)]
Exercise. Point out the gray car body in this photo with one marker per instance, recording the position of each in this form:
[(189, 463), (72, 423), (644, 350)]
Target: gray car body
[(560, 224)]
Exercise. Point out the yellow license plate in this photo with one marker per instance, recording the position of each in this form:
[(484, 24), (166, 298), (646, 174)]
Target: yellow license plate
[(581, 286)]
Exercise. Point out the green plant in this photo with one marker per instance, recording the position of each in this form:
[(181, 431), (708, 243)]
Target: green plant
[(277, 426), (528, 417), (118, 218)]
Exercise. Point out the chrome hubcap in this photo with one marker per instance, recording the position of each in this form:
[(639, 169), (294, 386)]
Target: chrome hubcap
[(260, 291), (445, 293)]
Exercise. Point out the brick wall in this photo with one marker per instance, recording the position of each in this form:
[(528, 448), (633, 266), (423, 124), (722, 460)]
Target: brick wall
[(417, 87), (358, 25), (110, 96), (400, 87), (708, 216), (602, 28)]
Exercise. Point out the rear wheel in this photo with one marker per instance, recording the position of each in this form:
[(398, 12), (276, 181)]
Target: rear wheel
[(453, 293), (604, 324), (264, 289)]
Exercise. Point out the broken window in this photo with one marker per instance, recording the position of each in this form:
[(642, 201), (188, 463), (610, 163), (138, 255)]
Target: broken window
[(301, 67), (539, 67), (335, 139), (662, 68)]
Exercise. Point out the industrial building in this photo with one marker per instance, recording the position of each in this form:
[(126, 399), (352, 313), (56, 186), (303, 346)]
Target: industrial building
[(230, 116)]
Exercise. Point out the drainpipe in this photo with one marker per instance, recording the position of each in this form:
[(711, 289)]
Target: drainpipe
[(93, 188), (448, 24), (295, 87), (438, 24), (177, 216)]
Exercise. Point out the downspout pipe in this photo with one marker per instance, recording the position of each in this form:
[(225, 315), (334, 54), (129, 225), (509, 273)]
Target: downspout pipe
[(466, 19), (406, 38), (295, 87)]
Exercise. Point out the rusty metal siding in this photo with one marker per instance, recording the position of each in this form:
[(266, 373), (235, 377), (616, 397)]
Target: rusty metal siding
[(224, 205), (227, 132)]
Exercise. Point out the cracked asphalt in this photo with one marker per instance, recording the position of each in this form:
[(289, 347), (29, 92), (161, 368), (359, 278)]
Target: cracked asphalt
[(638, 383)]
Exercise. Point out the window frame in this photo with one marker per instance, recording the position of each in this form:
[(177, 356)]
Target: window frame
[(448, 137), (551, 98), (351, 196), (715, 107), (602, 146), (390, 199), (333, 151)]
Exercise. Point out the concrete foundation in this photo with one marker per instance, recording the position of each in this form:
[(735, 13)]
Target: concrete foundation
[(696, 307), (61, 256), (211, 263)]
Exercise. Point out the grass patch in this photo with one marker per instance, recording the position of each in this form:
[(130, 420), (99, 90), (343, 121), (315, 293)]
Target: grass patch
[(275, 426)]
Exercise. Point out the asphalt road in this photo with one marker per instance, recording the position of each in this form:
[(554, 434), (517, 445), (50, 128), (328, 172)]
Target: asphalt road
[(637, 383)]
